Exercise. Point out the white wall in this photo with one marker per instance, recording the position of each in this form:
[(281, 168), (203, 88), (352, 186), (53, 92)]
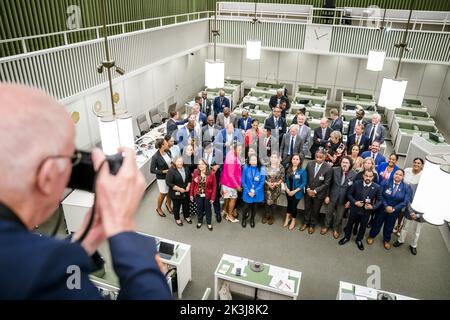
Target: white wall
[(176, 80), (443, 112), (335, 72)]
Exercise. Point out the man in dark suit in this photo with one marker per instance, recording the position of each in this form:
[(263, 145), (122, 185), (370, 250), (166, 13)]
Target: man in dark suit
[(225, 140), (245, 122), (365, 198), (276, 124), (317, 188), (210, 131), (275, 101), (206, 105), (291, 144), (39, 267), (358, 120), (374, 154), (342, 180), (321, 136), (199, 117), (173, 123), (336, 123), (375, 130), (357, 138), (220, 103)]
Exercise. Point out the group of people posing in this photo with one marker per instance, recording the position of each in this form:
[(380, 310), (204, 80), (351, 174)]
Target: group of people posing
[(212, 156)]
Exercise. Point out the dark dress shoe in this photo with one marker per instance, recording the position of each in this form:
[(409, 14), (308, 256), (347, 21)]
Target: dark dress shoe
[(360, 245), (311, 230), (343, 241), (244, 223), (210, 228), (199, 225), (180, 224), (252, 223), (397, 244), (188, 221), (218, 219), (413, 250)]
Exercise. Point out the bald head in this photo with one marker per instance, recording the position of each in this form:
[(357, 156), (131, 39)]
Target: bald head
[(33, 126)]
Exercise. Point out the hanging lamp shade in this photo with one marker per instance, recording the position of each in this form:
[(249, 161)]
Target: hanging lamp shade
[(214, 73), (116, 132), (432, 191), (392, 93), (375, 61), (253, 49)]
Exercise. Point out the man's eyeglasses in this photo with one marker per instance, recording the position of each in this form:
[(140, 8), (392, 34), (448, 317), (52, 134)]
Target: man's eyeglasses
[(75, 159)]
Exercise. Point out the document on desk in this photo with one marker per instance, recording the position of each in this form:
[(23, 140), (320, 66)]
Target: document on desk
[(224, 268), (278, 272), (365, 292)]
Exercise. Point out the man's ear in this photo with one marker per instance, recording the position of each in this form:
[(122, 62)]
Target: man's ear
[(47, 177)]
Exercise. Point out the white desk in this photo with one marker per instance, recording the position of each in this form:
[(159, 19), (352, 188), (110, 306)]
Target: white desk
[(181, 260), (349, 291), (255, 283)]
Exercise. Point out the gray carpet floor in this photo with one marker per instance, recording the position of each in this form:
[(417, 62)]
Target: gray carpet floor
[(321, 260)]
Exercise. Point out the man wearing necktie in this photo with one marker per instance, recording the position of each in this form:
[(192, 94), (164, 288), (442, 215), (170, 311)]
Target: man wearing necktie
[(375, 131), (319, 178), (321, 136), (359, 119), (365, 198), (336, 123), (358, 139), (220, 103), (276, 124), (342, 180), (290, 145), (206, 104)]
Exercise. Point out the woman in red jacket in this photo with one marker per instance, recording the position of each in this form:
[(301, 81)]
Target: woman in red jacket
[(203, 192)]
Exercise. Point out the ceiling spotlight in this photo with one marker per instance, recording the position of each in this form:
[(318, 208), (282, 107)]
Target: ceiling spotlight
[(120, 71), (100, 68)]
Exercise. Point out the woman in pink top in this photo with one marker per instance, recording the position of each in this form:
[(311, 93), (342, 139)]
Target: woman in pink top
[(231, 181)]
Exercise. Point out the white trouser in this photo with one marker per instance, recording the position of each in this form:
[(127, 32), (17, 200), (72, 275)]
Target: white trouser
[(410, 224)]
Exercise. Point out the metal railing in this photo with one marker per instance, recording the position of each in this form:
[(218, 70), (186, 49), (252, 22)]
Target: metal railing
[(438, 21), (144, 24)]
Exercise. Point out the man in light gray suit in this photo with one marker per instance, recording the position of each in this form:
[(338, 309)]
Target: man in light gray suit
[(291, 144), (305, 134), (375, 130), (225, 118), (210, 130), (341, 181)]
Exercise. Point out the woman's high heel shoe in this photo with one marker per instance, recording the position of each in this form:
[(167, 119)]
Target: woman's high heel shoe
[(160, 213), (231, 219)]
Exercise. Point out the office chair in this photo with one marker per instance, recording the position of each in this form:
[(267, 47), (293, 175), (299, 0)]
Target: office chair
[(155, 117), (142, 124)]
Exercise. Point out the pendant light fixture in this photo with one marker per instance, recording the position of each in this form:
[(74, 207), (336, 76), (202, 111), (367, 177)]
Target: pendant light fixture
[(214, 69), (116, 128), (254, 46), (393, 90), (376, 57)]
